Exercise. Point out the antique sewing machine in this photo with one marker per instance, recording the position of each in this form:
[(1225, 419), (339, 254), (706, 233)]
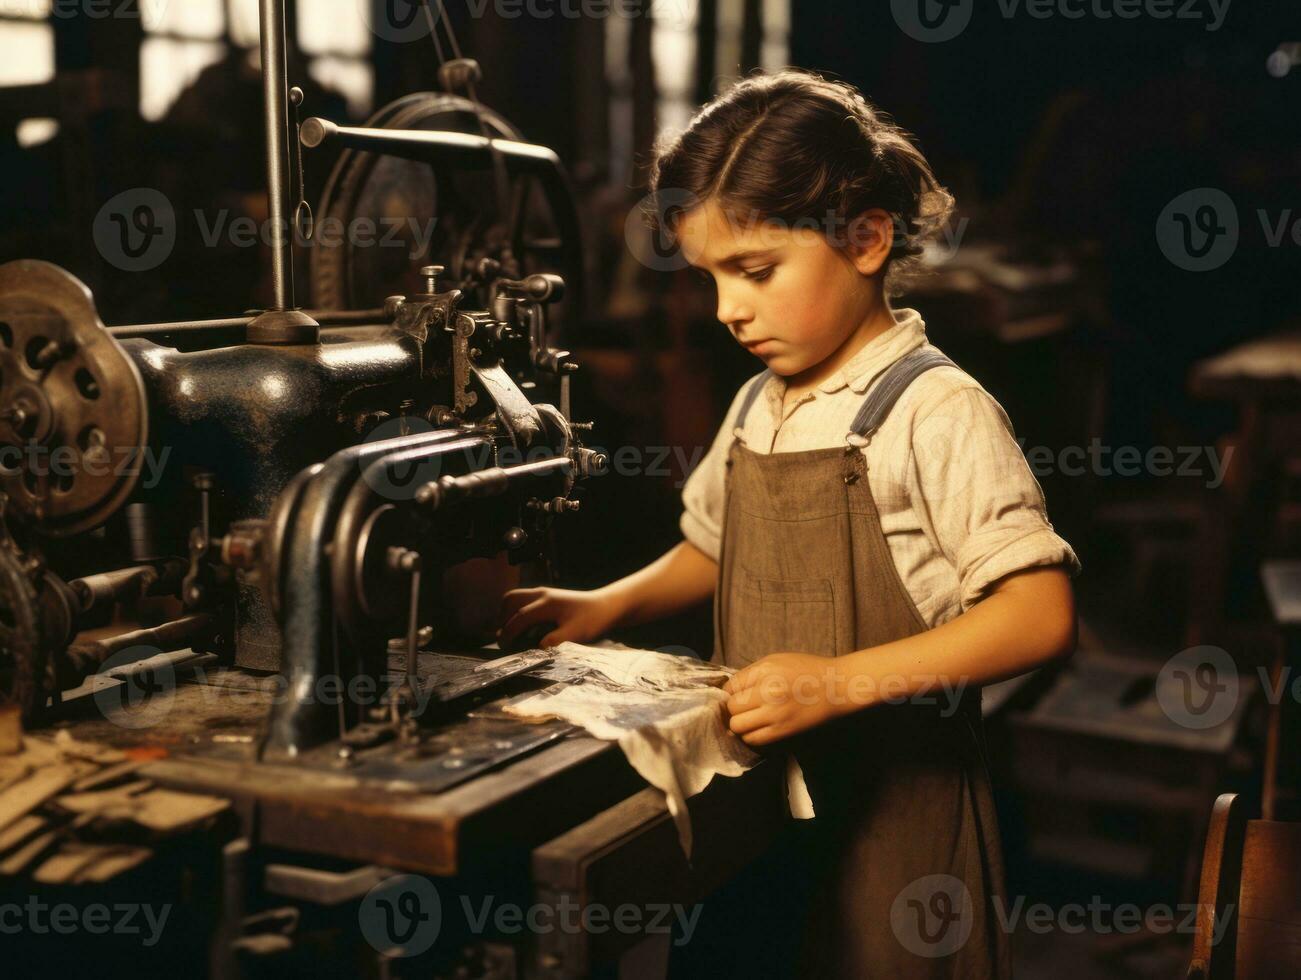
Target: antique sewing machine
[(289, 491), (287, 515)]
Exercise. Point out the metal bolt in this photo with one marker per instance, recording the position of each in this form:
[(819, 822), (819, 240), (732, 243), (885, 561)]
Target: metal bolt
[(403, 559), (430, 274), (15, 415), (51, 352)]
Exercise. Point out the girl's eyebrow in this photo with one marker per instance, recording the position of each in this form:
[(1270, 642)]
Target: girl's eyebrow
[(749, 253)]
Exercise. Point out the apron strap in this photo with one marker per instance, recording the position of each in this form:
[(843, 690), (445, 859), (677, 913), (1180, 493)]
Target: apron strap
[(750, 396), (898, 376)]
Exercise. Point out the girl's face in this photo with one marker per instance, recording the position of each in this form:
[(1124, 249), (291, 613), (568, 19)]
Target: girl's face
[(786, 294)]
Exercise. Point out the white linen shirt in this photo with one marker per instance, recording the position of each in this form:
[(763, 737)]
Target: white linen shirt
[(958, 505)]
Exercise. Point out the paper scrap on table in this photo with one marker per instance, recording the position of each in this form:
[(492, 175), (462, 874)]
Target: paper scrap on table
[(667, 712)]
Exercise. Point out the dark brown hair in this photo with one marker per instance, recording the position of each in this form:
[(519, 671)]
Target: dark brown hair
[(794, 147)]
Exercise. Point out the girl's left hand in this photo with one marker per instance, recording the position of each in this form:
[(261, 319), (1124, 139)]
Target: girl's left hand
[(784, 694)]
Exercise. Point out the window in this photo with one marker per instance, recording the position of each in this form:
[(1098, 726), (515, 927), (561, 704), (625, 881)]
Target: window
[(676, 33), (336, 40), (776, 50), (774, 44), (27, 58), (673, 51), (618, 78), (183, 38)]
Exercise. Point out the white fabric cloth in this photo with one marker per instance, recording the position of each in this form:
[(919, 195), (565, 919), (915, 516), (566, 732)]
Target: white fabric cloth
[(959, 507), (667, 713)]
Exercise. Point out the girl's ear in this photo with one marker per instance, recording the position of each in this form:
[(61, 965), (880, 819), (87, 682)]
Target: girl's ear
[(870, 237)]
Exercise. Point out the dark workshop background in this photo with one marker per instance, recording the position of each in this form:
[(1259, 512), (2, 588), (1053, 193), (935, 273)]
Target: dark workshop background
[(1064, 140)]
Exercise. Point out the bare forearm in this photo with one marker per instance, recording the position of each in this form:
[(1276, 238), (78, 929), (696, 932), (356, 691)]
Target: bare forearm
[(1028, 621), (678, 579)]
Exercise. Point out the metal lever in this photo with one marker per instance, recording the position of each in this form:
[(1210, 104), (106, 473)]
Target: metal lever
[(304, 220), (408, 561)]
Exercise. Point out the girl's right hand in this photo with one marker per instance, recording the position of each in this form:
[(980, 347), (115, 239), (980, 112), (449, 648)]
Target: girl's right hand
[(573, 615)]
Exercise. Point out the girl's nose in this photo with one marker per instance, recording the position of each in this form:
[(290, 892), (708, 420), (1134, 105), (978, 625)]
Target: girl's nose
[(732, 309)]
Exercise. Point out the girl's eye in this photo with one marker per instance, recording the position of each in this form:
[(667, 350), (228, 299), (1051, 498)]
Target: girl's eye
[(758, 275)]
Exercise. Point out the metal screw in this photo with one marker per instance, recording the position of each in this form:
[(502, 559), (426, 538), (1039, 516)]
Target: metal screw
[(15, 415), (51, 352), (430, 274), (403, 559)]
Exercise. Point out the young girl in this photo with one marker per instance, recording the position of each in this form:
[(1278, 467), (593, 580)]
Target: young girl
[(875, 543)]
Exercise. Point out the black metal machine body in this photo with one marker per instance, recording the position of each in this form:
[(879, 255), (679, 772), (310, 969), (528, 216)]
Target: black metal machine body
[(285, 489)]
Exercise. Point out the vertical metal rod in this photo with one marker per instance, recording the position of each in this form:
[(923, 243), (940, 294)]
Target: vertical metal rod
[(275, 92), (413, 631)]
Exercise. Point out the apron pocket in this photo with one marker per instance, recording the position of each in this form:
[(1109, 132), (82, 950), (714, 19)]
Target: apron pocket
[(784, 615)]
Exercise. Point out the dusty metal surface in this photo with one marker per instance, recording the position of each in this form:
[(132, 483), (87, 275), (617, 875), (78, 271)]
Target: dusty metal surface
[(472, 789)]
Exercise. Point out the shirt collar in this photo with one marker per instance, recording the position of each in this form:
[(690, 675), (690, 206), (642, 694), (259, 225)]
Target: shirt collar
[(858, 373), (879, 353)]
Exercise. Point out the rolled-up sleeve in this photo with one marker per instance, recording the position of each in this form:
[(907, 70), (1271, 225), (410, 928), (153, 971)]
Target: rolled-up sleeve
[(702, 494), (984, 506)]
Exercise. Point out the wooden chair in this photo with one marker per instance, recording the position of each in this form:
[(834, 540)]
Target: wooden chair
[(1251, 893), (1279, 795)]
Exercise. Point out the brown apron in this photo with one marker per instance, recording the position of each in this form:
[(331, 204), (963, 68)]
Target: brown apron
[(903, 856)]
